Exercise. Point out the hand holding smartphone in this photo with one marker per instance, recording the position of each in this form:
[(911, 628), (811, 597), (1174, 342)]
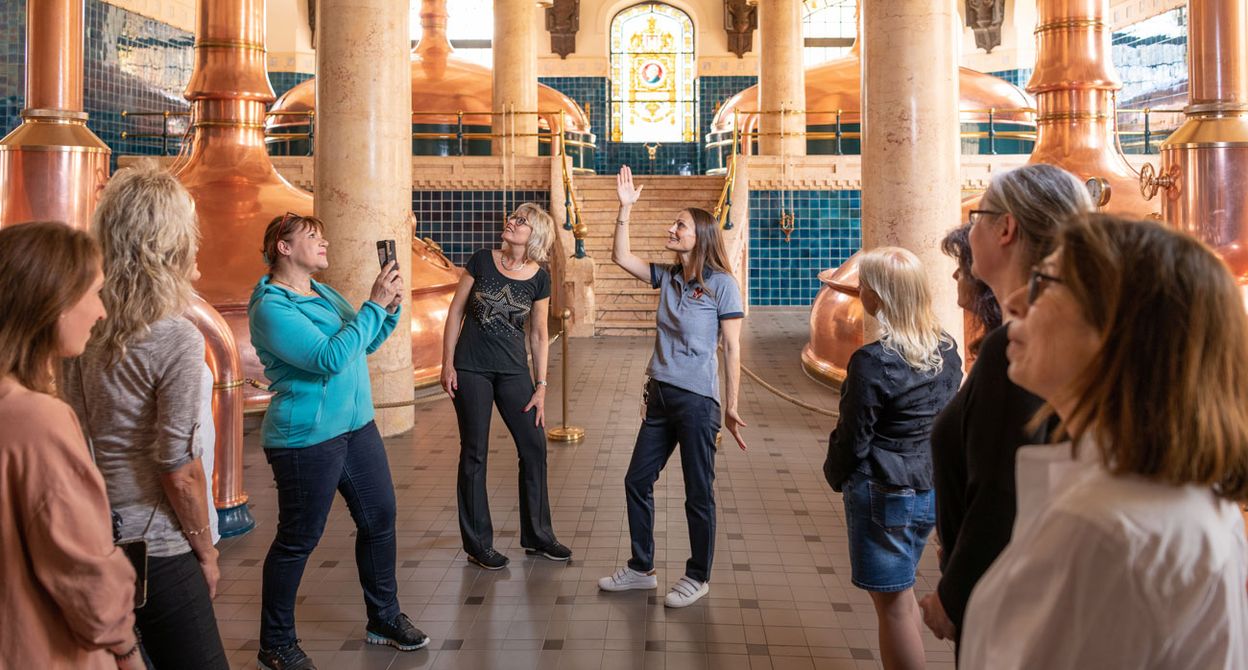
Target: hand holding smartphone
[(386, 253), (388, 289)]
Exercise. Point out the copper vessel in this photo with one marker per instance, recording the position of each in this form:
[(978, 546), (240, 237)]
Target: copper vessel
[(837, 85), (1204, 163), (1074, 84), (221, 354), (442, 85), (52, 166)]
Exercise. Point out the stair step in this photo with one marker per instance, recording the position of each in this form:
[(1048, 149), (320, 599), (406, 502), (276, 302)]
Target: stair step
[(624, 329)]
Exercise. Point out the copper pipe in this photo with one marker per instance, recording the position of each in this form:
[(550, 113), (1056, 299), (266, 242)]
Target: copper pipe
[(1205, 161), (54, 44), (221, 355), (52, 166), (1074, 83)]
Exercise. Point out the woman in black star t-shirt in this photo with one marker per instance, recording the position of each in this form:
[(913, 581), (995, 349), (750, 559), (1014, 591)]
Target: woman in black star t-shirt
[(485, 364)]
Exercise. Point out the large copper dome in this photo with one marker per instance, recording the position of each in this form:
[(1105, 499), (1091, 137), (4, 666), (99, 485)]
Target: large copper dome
[(837, 85), (442, 87)]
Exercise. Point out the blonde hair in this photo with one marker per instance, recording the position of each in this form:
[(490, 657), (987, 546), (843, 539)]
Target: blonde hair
[(147, 229), (541, 229), (906, 316)]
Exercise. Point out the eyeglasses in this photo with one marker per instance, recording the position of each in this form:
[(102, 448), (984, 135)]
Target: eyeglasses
[(520, 220), (977, 215), (1038, 283)]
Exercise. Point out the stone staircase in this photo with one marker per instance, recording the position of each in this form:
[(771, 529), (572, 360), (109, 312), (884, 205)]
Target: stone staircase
[(625, 305)]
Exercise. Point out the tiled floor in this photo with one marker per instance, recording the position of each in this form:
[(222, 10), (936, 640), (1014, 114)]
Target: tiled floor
[(780, 593)]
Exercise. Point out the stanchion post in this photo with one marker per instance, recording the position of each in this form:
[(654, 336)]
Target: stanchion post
[(565, 433)]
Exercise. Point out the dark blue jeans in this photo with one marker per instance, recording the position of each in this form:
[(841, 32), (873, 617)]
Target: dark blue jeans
[(355, 465), (674, 415)]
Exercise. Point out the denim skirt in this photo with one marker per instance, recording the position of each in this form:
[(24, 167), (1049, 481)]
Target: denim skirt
[(888, 528)]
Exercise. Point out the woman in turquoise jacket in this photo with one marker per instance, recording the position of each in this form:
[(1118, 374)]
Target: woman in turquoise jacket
[(319, 436)]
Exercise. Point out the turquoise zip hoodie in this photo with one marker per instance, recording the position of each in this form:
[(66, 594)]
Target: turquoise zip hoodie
[(313, 349)]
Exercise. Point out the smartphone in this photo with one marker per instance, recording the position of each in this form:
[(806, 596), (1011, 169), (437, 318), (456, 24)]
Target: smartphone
[(386, 253)]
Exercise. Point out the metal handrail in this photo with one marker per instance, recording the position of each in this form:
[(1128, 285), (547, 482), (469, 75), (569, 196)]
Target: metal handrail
[(460, 135), (571, 208)]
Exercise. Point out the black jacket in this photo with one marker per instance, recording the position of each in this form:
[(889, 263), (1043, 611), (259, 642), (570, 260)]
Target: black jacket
[(887, 410), (974, 443)]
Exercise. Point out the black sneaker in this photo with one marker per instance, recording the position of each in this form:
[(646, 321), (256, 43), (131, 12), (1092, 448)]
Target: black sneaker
[(554, 551), (284, 658), (400, 634), (490, 560)]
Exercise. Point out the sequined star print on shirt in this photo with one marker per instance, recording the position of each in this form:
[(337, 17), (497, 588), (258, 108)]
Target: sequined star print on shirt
[(492, 339)]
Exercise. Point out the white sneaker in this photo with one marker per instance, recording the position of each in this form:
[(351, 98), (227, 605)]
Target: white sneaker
[(686, 592), (628, 579)]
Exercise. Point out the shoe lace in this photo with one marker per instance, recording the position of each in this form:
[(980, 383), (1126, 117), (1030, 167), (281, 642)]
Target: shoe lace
[(620, 576), (403, 623), (489, 553), (289, 653), (686, 587)]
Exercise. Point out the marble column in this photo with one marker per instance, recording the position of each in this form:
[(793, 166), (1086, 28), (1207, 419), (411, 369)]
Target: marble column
[(515, 76), (782, 80), (910, 149), (363, 168)]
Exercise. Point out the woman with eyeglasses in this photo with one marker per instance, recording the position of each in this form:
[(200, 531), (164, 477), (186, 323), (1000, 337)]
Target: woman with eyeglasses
[(879, 455), (699, 309), (1128, 550), (975, 438), (319, 436), (485, 364), (974, 296)]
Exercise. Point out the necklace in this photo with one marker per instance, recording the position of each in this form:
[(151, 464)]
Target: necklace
[(503, 260), (292, 287)]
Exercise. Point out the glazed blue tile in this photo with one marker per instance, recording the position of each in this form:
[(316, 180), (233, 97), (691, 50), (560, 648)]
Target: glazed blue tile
[(827, 232), (462, 222), (284, 81)]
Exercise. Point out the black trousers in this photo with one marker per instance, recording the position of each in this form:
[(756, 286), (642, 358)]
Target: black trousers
[(674, 416), (178, 625), (478, 394)]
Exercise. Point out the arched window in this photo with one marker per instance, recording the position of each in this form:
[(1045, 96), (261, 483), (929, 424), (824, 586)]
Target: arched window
[(828, 29), (652, 75)]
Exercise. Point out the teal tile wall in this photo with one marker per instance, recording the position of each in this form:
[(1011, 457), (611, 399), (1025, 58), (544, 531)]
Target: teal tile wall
[(462, 222), (284, 81), (591, 94), (828, 230)]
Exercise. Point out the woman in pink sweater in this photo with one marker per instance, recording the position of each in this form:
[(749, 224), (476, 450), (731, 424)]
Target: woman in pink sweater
[(66, 593)]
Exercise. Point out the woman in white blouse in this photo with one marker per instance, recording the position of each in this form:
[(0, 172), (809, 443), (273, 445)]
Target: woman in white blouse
[(1128, 550)]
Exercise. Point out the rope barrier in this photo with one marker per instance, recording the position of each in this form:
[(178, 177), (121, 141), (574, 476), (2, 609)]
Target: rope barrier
[(785, 396)]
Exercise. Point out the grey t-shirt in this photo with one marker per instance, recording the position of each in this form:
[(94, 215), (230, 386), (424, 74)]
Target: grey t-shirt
[(688, 327), (142, 415)]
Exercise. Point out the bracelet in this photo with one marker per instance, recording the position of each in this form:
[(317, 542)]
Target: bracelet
[(540, 382), (621, 222), (201, 531)]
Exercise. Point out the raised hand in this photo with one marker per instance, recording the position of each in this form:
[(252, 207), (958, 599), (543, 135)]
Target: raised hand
[(388, 286), (629, 194)]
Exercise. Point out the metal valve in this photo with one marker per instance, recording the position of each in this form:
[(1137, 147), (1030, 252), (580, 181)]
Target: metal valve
[(1151, 181)]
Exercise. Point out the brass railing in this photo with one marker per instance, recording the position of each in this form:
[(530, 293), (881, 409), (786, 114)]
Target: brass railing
[(723, 207), (737, 139), (171, 140), (571, 207)]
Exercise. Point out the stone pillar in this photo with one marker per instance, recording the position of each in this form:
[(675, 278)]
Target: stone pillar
[(910, 150), (782, 80), (363, 168), (515, 75)]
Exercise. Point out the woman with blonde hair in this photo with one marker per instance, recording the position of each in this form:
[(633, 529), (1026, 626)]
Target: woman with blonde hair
[(66, 592), (485, 364), (138, 392), (1128, 550), (879, 455)]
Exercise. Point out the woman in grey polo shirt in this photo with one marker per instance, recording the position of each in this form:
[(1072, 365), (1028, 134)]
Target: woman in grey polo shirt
[(699, 303)]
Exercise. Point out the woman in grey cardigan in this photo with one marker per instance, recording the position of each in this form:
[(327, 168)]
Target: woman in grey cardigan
[(137, 390)]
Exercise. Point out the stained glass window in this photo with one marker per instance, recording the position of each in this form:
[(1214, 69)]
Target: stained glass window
[(828, 29), (652, 75)]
